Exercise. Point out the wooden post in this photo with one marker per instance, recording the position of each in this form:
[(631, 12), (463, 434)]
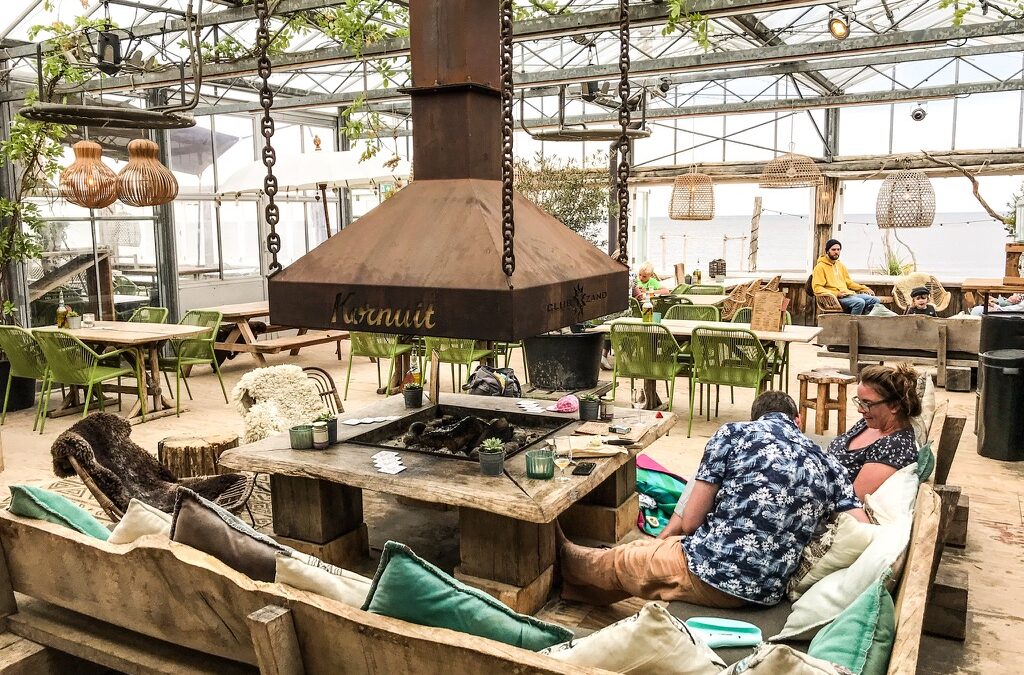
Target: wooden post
[(755, 225), (275, 642), (940, 378), (435, 378), (608, 512), (319, 518)]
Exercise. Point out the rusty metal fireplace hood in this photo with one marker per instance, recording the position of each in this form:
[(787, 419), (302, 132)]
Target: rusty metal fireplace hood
[(427, 261)]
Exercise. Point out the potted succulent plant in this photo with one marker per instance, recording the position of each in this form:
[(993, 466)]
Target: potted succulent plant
[(492, 457), (332, 426), (74, 320), (590, 406), (413, 393)]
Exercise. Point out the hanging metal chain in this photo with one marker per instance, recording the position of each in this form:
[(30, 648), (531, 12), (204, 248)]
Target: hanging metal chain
[(622, 186), (272, 214), (508, 226)]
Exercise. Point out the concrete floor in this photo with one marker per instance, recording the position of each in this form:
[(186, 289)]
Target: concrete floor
[(994, 556)]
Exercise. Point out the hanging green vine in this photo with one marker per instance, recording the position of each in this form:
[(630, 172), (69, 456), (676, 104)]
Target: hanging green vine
[(681, 19), (1014, 9)]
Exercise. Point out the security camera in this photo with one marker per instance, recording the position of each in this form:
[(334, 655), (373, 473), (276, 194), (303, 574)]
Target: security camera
[(918, 113)]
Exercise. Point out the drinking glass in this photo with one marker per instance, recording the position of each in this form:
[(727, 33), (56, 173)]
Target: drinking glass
[(563, 458), (88, 320), (638, 399)]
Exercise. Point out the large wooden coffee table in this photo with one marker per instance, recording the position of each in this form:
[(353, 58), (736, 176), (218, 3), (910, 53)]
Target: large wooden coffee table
[(506, 524)]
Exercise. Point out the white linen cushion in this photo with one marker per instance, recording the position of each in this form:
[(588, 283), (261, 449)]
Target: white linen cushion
[(139, 520), (770, 659), (849, 539), (894, 499), (922, 424), (652, 641), (312, 574)]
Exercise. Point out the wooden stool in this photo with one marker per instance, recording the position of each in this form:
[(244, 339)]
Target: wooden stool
[(187, 456), (823, 402)]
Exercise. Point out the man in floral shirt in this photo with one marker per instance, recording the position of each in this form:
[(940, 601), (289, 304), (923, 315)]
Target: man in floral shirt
[(761, 491)]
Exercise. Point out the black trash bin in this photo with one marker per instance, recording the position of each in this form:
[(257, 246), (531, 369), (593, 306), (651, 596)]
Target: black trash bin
[(1001, 422), (1002, 330)]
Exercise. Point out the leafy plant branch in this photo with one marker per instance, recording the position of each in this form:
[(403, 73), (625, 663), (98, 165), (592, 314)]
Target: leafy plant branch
[(683, 20), (1009, 221)]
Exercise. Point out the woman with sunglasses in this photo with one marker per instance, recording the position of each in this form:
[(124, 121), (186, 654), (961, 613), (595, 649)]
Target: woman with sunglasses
[(882, 442)]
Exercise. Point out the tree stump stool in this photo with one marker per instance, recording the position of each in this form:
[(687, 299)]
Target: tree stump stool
[(187, 456), (823, 401)]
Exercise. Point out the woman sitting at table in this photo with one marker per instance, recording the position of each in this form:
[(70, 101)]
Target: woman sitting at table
[(882, 441)]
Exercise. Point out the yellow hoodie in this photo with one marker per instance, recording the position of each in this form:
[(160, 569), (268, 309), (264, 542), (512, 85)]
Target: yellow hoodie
[(831, 277)]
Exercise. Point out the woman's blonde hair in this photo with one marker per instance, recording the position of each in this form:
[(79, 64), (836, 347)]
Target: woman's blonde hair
[(896, 385), (648, 269)]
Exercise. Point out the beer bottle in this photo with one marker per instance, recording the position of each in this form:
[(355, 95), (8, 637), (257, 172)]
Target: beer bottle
[(647, 309)]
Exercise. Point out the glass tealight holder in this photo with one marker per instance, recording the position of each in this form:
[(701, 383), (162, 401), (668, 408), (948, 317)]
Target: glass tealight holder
[(321, 437), (540, 464), (88, 320)]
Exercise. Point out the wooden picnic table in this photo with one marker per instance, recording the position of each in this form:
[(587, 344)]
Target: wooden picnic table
[(506, 523), (985, 288), (144, 336), (242, 339), (684, 329)]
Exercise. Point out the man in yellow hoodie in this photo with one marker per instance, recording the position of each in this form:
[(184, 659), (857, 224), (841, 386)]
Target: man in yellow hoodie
[(831, 277)]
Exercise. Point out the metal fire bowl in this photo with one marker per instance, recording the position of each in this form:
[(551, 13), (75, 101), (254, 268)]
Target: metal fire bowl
[(388, 437)]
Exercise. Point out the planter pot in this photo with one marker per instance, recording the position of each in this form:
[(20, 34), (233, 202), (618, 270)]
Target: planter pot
[(23, 389), (564, 362), (332, 431), (413, 398), (590, 410), (74, 322), (492, 463), (301, 437)]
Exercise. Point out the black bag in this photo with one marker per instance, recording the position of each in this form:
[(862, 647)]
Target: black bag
[(487, 381)]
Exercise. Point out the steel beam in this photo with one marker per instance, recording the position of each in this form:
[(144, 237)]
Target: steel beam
[(753, 27)]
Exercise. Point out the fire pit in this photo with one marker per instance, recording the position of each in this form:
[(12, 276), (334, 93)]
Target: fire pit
[(456, 432)]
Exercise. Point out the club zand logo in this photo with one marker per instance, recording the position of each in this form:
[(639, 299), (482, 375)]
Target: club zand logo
[(575, 304)]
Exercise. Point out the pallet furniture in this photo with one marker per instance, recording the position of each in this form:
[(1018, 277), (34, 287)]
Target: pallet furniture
[(951, 345), (156, 606), (242, 339), (506, 524), (823, 401)]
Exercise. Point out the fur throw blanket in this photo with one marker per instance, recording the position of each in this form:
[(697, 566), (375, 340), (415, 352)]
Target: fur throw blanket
[(102, 445), (275, 398)]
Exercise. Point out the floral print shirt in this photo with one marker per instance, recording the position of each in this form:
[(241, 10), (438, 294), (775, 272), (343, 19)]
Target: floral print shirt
[(898, 449), (775, 487)]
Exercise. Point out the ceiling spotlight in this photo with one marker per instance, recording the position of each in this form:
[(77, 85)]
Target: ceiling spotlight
[(839, 26)]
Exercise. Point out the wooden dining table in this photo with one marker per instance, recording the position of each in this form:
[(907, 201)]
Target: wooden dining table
[(148, 338), (684, 330)]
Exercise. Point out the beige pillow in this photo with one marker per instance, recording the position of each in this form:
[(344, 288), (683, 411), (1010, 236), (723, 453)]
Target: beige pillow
[(652, 641), (771, 659), (922, 424), (312, 574), (139, 520), (849, 537)]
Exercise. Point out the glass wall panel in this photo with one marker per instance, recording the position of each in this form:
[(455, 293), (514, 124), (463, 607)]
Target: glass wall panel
[(240, 238), (197, 242), (191, 156)]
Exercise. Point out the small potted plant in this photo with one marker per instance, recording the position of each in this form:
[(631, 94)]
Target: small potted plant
[(74, 320), (332, 426), (413, 393), (590, 407), (492, 457)]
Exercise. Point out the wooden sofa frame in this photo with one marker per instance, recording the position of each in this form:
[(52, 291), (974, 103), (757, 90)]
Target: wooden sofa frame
[(922, 340)]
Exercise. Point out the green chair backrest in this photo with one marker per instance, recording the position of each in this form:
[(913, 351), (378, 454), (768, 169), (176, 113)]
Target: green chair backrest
[(662, 303), (200, 347), (680, 289), (23, 352), (645, 350), (149, 315), (694, 313), (376, 345), (70, 360), (705, 289), (451, 350), (634, 308), (731, 356)]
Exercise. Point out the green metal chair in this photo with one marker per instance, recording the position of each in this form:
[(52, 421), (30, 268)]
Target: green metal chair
[(26, 360), (72, 362), (705, 289), (727, 356), (376, 346), (196, 351), (149, 315), (694, 313), (456, 352), (505, 349), (680, 289), (662, 303), (778, 352), (635, 310), (647, 351)]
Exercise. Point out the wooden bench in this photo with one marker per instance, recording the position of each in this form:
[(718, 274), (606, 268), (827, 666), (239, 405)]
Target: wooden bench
[(951, 345), (293, 343)]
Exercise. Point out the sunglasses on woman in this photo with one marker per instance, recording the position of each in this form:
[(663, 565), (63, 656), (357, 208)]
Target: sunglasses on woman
[(867, 405)]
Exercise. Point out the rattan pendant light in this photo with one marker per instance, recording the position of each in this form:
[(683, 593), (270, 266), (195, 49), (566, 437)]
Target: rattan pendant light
[(144, 181), (693, 197), (790, 170), (906, 199), (88, 181)]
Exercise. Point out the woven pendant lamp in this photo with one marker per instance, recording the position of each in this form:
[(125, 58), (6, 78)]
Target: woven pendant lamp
[(88, 181), (144, 181), (693, 197), (906, 199), (790, 170)]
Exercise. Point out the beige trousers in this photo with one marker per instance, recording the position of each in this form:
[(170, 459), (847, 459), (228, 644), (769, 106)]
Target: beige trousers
[(652, 569)]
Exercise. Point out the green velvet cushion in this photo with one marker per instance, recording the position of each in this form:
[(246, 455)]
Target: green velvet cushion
[(925, 462), (861, 637), (409, 588), (33, 502)]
